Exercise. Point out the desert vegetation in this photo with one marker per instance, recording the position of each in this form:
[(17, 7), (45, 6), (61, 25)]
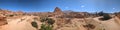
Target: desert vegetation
[(48, 20), (48, 25), (34, 24), (106, 16)]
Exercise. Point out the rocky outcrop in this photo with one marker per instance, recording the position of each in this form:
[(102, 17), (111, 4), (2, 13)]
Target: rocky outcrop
[(57, 10), (3, 20), (76, 15), (57, 13), (69, 24)]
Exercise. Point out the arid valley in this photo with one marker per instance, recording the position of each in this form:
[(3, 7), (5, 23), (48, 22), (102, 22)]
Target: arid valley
[(58, 20)]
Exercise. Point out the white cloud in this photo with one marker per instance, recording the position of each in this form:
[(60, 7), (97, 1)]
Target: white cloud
[(82, 6), (113, 8), (66, 7)]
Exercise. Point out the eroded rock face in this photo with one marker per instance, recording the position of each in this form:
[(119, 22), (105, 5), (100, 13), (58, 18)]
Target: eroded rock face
[(3, 21)]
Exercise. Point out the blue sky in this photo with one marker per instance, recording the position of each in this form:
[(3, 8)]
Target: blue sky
[(49, 5)]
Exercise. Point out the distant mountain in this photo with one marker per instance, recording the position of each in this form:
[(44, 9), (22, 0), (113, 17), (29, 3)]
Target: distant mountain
[(68, 11)]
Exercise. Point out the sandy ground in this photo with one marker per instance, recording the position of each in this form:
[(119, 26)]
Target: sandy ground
[(23, 23), (107, 25), (18, 24)]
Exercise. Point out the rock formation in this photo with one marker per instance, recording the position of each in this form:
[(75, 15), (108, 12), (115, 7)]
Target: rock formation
[(57, 13), (3, 20), (57, 10)]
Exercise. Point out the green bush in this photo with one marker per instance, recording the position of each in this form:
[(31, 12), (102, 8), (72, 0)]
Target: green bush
[(34, 24), (48, 20), (105, 17), (43, 26), (49, 27), (43, 19), (46, 27)]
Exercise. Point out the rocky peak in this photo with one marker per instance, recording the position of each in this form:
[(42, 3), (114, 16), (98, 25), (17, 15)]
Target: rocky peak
[(57, 10)]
